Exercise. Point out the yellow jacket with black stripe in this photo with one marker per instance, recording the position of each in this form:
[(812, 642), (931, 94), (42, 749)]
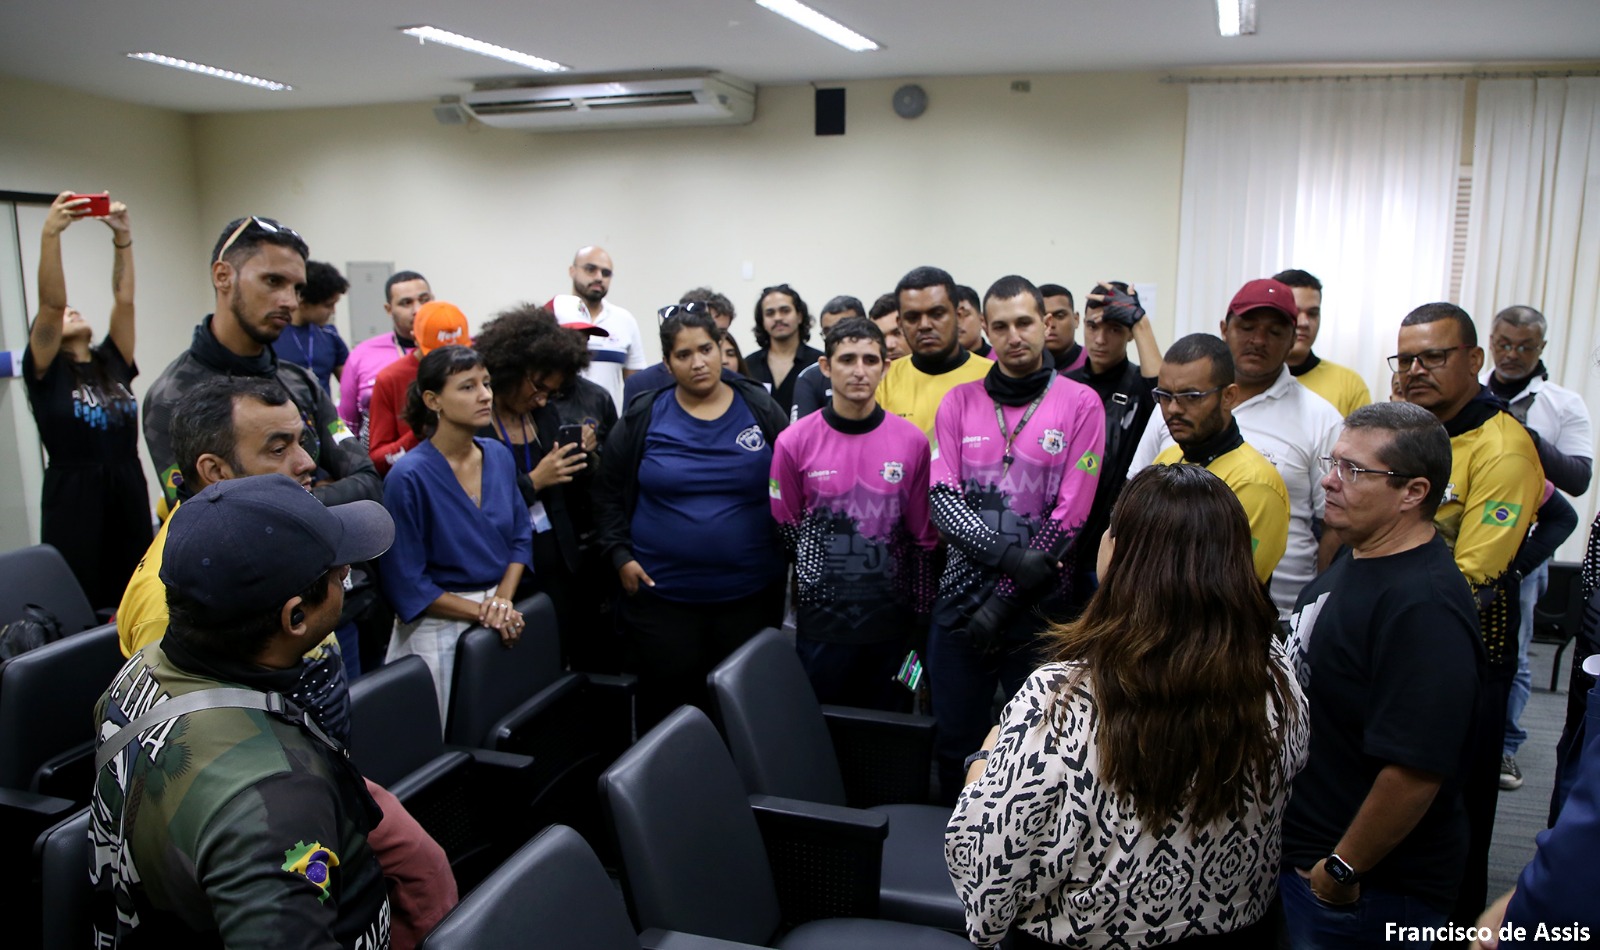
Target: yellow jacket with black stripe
[(1489, 505), (1262, 493)]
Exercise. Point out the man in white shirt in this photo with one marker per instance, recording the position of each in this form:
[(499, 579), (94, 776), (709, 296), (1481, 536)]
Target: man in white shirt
[(1283, 420), (612, 358), (1559, 423)]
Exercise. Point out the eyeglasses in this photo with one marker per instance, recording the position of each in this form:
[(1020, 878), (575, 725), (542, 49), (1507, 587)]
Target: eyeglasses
[(1521, 349), (670, 310), (1430, 359), (1186, 400), (261, 224), (1349, 471), (540, 389)]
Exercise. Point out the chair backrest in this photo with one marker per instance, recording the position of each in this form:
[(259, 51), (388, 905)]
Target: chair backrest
[(62, 856), (47, 698), (773, 722), (40, 575), (394, 721), (553, 889), (491, 681), (1563, 600), (692, 856)]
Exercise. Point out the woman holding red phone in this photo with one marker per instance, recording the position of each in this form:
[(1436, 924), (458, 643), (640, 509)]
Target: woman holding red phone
[(96, 508), (530, 358)]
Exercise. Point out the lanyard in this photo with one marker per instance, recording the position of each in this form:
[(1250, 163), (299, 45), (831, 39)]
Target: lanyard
[(1000, 417), (309, 351), (527, 453)]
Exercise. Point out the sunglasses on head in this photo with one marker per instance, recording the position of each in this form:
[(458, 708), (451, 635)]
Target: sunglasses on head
[(263, 226), (673, 309)]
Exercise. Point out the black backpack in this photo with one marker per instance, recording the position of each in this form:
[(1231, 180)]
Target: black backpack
[(36, 627)]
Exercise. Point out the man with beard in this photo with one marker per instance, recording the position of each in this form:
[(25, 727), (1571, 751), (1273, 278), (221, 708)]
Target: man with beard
[(913, 388), (257, 269), (620, 353), (783, 330), (1496, 484), (1284, 421), (1197, 395), (1015, 462)]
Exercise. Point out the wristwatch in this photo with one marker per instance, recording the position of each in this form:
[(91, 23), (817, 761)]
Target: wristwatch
[(1340, 870)]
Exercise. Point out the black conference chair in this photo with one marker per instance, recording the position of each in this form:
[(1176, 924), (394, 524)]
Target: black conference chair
[(1559, 613), (552, 892), (47, 730), (701, 857), (40, 575), (521, 701), (465, 798), (784, 742), (61, 858)]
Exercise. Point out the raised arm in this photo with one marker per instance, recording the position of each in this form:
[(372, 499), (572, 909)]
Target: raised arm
[(45, 337), (122, 323)]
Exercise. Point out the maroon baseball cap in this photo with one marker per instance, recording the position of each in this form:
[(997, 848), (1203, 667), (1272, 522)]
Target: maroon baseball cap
[(1265, 293)]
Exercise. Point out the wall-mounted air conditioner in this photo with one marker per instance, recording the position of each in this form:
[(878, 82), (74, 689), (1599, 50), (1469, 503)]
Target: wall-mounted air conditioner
[(641, 100)]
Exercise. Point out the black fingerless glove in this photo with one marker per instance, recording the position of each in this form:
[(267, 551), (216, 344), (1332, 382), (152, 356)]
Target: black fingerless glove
[(1122, 306), (1031, 568), (987, 628)]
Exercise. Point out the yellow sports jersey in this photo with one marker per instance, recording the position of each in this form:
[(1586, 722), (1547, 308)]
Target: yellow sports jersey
[(1262, 493), (911, 394), (142, 615), (1337, 384), (1491, 502)]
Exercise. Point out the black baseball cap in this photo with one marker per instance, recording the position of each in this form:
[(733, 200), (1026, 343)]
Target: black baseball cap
[(246, 545)]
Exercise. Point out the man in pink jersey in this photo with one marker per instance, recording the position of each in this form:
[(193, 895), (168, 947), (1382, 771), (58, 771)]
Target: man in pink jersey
[(1014, 473), (404, 294), (849, 491)]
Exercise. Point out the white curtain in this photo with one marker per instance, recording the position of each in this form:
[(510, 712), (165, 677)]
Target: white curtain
[(1533, 234), (1352, 180)]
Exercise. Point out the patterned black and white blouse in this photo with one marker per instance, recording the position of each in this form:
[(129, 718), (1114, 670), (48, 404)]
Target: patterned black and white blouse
[(1041, 843)]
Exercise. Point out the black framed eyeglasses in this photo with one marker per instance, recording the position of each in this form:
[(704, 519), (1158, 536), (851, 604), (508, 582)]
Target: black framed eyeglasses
[(1349, 471), (673, 309), (1186, 400), (263, 225), (1430, 359)]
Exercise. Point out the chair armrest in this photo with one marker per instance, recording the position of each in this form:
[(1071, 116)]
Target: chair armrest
[(24, 816), (68, 774), (826, 859), (16, 803), (658, 939), (625, 684), (885, 758), (503, 733), (509, 764), (435, 770)]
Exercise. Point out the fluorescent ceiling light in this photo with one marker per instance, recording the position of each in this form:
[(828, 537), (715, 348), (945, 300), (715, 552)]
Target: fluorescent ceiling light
[(446, 38), (204, 70), (1236, 17), (824, 27)]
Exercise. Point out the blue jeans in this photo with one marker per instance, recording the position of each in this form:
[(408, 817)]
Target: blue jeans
[(962, 682), (1533, 587), (1313, 925)]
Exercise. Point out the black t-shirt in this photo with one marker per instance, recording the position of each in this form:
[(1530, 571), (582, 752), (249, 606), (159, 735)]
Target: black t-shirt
[(85, 412), (1388, 651), (1128, 402)]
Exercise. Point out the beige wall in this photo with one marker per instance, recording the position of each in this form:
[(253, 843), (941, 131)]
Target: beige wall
[(52, 139), (1077, 180)]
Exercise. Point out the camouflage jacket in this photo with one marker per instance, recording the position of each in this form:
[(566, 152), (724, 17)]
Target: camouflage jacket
[(227, 827)]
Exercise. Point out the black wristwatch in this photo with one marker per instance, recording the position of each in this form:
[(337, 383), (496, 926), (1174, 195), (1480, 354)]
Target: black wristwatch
[(1340, 870)]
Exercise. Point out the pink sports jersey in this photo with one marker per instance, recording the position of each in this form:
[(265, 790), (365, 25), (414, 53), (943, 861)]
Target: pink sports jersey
[(1040, 500), (851, 501)]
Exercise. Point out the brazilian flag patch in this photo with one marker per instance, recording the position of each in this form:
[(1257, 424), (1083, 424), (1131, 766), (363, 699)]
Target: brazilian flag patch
[(1089, 463), (312, 862), (773, 491), (1501, 513)]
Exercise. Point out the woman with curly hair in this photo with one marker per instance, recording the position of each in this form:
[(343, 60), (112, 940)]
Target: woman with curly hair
[(530, 359), (1133, 793)]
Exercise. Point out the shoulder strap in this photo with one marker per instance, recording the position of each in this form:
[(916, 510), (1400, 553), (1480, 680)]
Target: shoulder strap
[(221, 697)]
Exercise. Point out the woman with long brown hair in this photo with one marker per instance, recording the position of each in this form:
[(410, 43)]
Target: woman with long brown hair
[(1133, 792)]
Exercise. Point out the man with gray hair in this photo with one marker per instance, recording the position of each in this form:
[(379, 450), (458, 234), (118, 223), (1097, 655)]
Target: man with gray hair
[(1375, 834), (1558, 422)]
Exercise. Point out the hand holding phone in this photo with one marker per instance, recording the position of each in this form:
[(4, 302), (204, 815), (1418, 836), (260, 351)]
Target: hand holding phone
[(569, 435)]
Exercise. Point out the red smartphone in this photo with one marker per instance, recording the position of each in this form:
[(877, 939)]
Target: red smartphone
[(99, 205)]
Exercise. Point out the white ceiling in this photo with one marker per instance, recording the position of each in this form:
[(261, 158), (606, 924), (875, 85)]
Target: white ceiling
[(348, 52)]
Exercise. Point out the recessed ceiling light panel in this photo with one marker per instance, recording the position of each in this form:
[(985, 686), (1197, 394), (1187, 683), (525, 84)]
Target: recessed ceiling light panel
[(1236, 17), (162, 60), (823, 26), (482, 48)]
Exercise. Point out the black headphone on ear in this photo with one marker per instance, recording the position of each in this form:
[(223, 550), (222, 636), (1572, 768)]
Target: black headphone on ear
[(297, 617)]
